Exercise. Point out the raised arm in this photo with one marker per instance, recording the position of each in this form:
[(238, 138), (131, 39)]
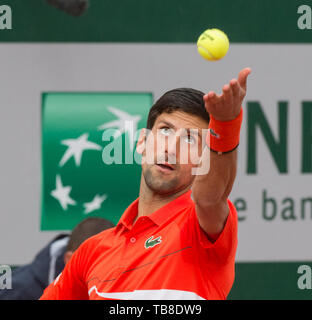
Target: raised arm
[(211, 190)]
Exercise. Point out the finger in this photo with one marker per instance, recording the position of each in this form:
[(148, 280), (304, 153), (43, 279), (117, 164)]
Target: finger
[(242, 77), (235, 88), (228, 94), (212, 98)]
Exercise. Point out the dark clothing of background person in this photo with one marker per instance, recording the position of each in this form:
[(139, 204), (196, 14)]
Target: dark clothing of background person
[(29, 281)]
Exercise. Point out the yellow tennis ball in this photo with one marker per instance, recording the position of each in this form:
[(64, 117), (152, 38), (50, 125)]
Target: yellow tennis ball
[(213, 44)]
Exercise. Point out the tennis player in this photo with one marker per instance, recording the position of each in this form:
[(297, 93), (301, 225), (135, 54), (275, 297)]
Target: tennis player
[(178, 239)]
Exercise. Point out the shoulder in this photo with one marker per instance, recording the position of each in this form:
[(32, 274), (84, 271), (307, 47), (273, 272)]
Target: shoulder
[(88, 252), (97, 241)]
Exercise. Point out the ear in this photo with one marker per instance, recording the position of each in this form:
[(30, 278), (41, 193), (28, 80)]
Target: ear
[(140, 147), (67, 256)]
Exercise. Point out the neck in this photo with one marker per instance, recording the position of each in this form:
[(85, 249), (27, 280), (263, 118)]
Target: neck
[(151, 201)]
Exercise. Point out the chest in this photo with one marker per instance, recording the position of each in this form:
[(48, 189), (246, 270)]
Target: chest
[(157, 259)]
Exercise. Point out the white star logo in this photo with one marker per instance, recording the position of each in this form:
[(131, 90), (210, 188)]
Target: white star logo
[(76, 148), (95, 204), (125, 123), (61, 193)]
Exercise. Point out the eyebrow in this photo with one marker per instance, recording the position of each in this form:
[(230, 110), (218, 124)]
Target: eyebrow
[(170, 125), (188, 130)]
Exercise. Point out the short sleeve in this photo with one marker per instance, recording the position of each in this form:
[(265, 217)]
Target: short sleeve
[(224, 247)]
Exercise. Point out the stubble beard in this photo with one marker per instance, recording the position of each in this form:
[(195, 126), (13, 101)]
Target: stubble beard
[(159, 185)]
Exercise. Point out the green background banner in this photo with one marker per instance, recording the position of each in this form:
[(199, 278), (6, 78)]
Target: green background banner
[(71, 122), (258, 21), (268, 281)]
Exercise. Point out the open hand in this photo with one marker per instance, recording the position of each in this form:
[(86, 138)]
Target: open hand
[(227, 106)]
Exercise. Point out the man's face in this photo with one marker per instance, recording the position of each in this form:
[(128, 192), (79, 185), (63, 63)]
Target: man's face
[(172, 150)]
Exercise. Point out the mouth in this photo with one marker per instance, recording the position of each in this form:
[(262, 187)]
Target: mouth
[(165, 167)]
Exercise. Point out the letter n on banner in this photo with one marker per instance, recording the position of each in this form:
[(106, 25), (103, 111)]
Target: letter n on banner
[(277, 147)]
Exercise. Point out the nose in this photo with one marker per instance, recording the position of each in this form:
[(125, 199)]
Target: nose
[(167, 147), (172, 145)]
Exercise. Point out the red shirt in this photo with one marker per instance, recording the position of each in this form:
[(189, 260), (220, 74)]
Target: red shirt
[(165, 255)]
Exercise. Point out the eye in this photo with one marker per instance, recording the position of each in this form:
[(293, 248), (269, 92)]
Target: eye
[(189, 139), (165, 131)]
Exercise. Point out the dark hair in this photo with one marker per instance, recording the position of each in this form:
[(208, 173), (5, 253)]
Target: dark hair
[(85, 229), (182, 99)]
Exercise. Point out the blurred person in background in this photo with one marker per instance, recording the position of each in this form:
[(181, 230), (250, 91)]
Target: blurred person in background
[(29, 281)]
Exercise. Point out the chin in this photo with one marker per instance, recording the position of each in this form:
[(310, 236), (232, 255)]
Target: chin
[(162, 187), (160, 184)]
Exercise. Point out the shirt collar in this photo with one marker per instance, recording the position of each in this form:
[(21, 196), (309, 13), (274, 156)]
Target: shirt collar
[(159, 216)]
